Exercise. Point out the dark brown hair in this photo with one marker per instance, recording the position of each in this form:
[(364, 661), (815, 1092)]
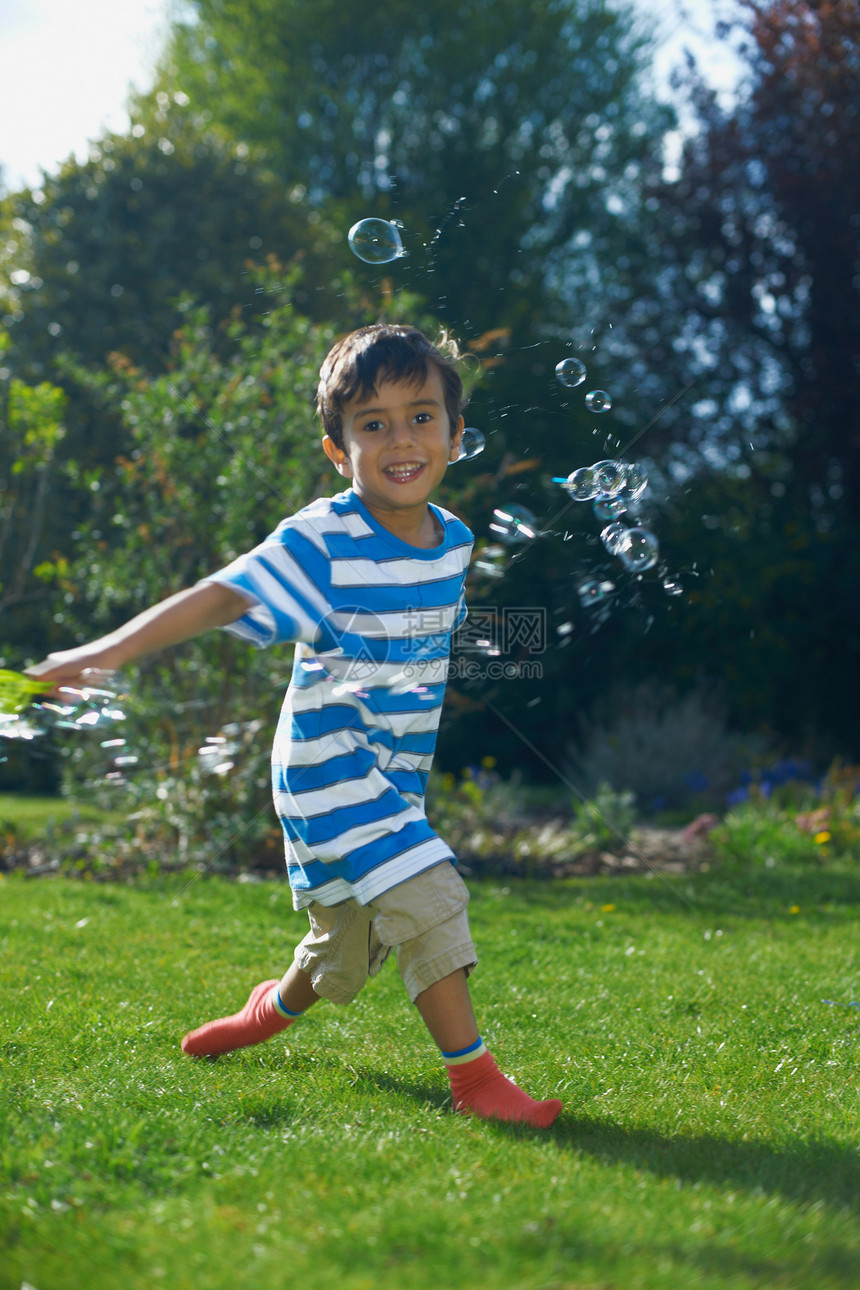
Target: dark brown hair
[(386, 351)]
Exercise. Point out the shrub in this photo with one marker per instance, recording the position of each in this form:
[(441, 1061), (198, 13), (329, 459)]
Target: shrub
[(665, 749)]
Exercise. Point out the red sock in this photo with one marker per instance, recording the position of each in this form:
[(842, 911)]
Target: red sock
[(258, 1020), (478, 1087)]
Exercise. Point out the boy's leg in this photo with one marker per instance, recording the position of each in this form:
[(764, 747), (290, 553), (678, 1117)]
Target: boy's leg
[(271, 1007), (477, 1085), (426, 919), (333, 957)]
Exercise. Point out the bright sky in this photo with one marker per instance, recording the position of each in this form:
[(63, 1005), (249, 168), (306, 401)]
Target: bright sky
[(66, 66)]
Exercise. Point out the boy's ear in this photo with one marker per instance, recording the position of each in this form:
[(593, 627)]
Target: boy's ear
[(454, 452), (337, 456)]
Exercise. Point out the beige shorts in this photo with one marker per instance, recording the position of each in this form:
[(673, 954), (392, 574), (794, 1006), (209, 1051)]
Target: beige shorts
[(424, 919)]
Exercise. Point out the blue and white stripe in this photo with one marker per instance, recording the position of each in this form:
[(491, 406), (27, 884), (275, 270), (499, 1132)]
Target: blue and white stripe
[(373, 618)]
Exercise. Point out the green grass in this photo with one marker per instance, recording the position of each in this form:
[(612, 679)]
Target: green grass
[(32, 817), (709, 1137)]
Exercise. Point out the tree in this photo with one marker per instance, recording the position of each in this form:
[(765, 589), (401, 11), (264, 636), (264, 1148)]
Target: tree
[(495, 132), (98, 256), (760, 264)]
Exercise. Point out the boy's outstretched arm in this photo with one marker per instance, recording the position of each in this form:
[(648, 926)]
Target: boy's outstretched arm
[(179, 618)]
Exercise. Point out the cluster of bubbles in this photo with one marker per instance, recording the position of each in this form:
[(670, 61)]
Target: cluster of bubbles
[(376, 241), (571, 372), (613, 488), (29, 709)]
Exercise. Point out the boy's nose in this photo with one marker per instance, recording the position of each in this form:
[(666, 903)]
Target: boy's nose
[(402, 431)]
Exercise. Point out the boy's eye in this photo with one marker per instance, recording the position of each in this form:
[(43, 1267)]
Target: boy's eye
[(373, 425)]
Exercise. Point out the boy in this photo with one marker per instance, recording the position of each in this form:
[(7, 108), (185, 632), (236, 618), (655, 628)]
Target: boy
[(369, 583)]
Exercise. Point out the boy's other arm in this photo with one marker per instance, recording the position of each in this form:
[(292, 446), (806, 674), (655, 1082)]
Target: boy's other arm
[(179, 618)]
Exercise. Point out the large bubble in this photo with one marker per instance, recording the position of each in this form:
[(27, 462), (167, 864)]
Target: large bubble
[(613, 536), (514, 524), (491, 562), (610, 476), (608, 508), (598, 401), (376, 241), (581, 484), (638, 549), (593, 591), (635, 480), (570, 372), (471, 443)]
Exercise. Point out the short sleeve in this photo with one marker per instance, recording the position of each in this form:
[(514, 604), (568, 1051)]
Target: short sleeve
[(285, 581)]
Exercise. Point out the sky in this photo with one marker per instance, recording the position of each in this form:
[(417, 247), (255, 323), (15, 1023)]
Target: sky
[(66, 67)]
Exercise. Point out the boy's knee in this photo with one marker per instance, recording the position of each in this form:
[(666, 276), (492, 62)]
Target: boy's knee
[(435, 954), (339, 953), (336, 985)]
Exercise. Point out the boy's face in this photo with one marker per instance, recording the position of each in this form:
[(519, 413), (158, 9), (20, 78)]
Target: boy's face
[(398, 442)]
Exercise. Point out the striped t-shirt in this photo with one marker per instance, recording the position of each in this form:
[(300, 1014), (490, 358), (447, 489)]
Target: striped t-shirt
[(373, 617)]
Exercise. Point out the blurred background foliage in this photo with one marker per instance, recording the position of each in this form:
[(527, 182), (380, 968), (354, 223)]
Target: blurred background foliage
[(165, 307)]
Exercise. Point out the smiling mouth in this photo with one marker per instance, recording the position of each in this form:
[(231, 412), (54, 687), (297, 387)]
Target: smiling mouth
[(403, 474)]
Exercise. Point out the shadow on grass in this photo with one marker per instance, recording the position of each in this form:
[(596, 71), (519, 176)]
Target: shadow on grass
[(803, 1171)]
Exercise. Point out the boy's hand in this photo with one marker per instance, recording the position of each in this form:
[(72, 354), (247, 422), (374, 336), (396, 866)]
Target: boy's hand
[(66, 667)]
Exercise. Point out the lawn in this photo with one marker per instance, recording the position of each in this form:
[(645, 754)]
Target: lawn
[(32, 818), (709, 1137)]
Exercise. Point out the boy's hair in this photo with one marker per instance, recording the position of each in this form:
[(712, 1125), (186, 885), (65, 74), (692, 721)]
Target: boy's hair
[(387, 351)]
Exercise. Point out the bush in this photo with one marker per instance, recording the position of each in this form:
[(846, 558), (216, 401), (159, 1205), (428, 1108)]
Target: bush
[(759, 833), (667, 750)]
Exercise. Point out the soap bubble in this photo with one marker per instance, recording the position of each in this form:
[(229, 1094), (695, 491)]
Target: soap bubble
[(27, 711), (570, 372), (216, 755), (14, 726), (613, 536), (376, 241), (635, 480), (638, 549), (491, 562), (471, 443), (608, 508), (610, 476), (514, 524), (598, 401), (592, 592), (581, 484), (91, 703)]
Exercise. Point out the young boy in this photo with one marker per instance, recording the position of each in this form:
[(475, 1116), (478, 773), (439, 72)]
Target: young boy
[(369, 583)]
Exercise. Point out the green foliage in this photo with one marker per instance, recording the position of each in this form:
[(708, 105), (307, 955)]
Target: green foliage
[(33, 555), (606, 818), (451, 102), (99, 256), (490, 821), (223, 448), (708, 1136), (31, 429), (762, 834)]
